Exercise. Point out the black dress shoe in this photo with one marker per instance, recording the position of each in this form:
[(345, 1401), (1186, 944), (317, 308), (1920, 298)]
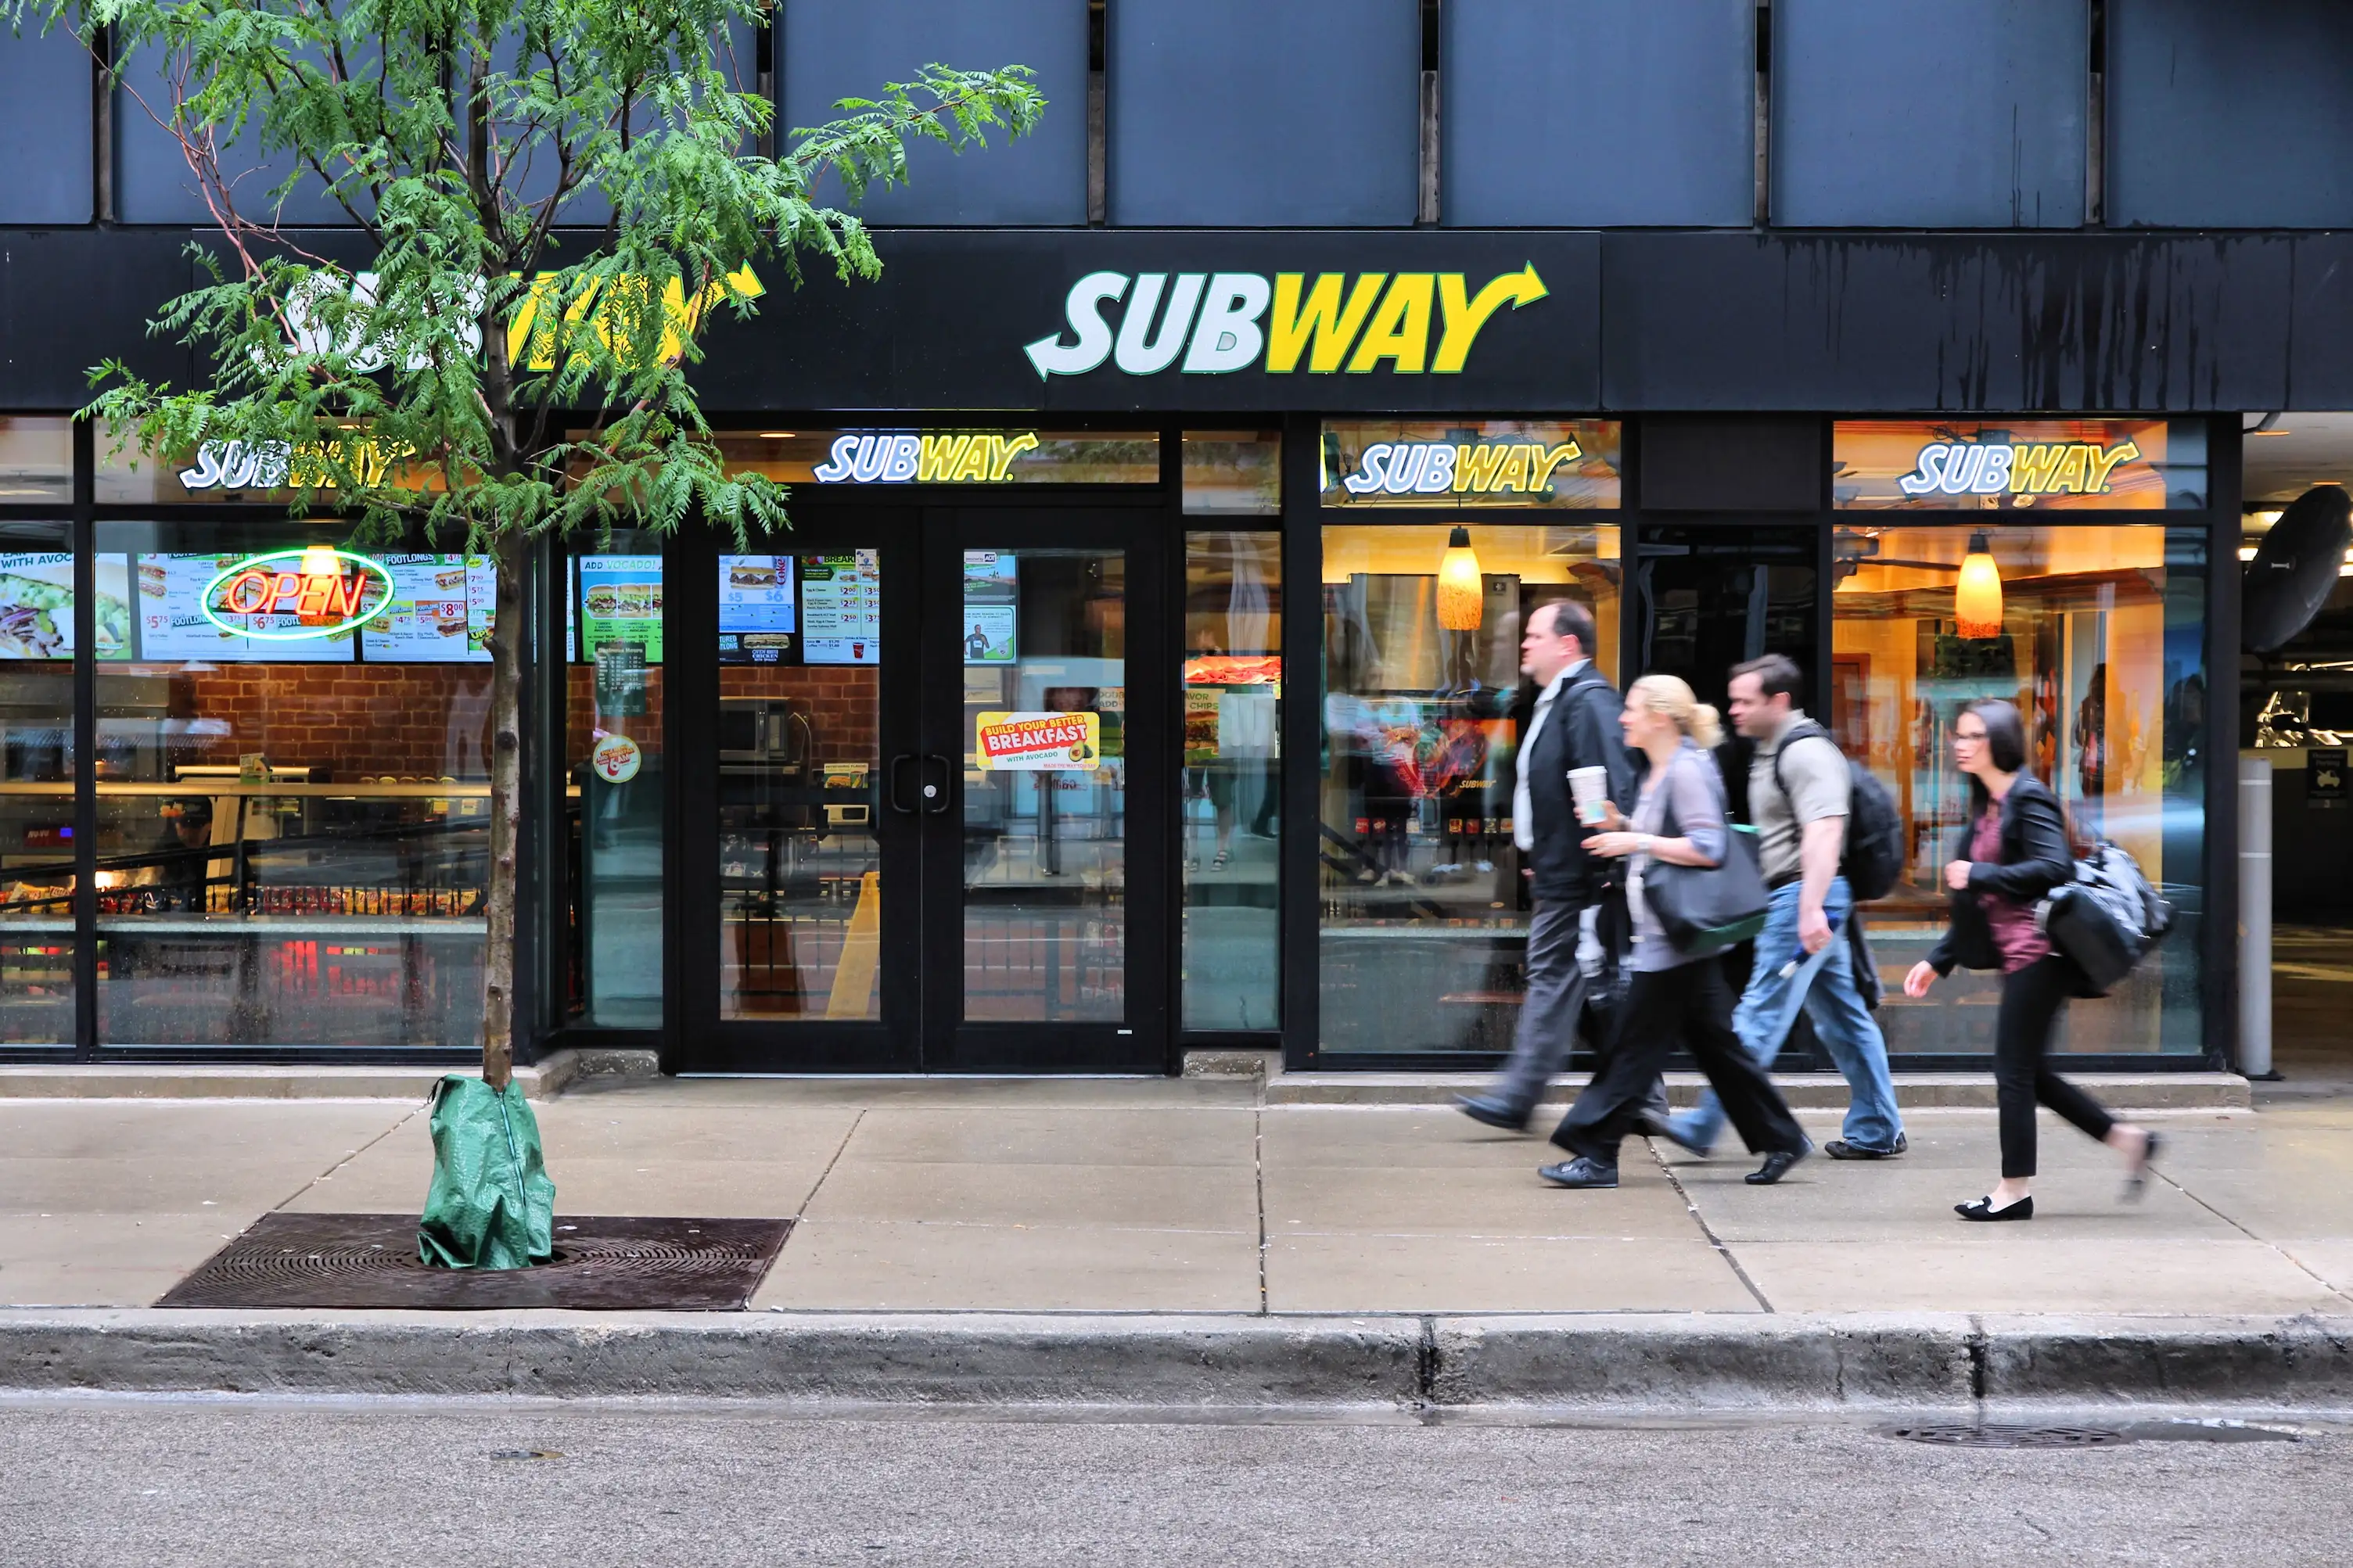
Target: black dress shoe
[(1983, 1209), (1840, 1149), (1579, 1173), (1491, 1113), (2137, 1182), (1776, 1166)]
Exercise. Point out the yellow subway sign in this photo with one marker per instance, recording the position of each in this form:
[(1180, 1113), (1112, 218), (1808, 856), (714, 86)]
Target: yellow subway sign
[(1326, 324)]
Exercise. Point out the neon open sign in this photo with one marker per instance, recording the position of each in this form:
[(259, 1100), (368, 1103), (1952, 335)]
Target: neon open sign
[(322, 591)]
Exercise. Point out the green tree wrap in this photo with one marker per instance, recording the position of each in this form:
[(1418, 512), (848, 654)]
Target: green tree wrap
[(491, 1204)]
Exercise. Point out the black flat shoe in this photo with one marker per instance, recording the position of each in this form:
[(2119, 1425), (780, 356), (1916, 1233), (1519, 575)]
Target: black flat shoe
[(1579, 1173), (1776, 1166), (1983, 1209), (1491, 1113), (1840, 1149), (2136, 1183)]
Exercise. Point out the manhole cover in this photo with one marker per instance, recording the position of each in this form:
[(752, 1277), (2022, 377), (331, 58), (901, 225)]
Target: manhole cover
[(601, 1264), (1995, 1434)]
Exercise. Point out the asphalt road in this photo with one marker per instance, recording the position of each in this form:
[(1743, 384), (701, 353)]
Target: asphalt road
[(121, 1482)]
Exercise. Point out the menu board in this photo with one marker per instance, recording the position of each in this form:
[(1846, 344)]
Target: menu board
[(441, 611), (991, 606), (756, 612), (36, 606), (842, 609), (171, 621), (621, 602)]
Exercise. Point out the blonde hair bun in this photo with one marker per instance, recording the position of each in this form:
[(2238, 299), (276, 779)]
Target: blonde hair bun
[(1673, 696)]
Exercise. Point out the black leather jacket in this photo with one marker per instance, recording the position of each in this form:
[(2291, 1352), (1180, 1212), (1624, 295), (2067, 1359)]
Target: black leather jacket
[(1580, 730), (2034, 859)]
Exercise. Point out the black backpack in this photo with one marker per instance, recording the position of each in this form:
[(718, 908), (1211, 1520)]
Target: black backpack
[(1873, 859)]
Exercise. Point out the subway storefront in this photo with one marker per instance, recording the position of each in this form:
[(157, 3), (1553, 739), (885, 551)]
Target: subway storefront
[(1138, 678)]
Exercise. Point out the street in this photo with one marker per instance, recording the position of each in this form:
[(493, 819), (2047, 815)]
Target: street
[(97, 1482)]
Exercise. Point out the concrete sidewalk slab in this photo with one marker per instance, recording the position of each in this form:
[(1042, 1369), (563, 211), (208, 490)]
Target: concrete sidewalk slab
[(913, 1266)]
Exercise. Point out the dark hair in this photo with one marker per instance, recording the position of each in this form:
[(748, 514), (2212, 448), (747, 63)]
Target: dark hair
[(1775, 673), (1571, 620), (2005, 745)]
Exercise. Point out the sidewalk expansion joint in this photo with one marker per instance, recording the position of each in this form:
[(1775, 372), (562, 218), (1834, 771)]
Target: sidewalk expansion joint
[(1706, 1229), (839, 1149)]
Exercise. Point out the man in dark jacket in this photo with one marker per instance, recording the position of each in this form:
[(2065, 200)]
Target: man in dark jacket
[(1574, 725)]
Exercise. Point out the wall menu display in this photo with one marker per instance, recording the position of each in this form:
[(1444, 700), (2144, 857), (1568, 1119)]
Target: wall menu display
[(441, 614), (755, 593), (621, 602), (991, 606), (171, 623), (757, 624), (842, 609), (36, 606)]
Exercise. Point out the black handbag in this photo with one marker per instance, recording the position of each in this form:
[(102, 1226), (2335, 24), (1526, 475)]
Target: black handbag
[(1704, 910)]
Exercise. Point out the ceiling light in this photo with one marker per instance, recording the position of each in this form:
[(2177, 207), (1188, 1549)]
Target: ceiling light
[(1461, 590), (1977, 598)]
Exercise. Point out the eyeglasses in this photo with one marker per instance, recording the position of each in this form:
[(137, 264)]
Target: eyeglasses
[(1960, 735)]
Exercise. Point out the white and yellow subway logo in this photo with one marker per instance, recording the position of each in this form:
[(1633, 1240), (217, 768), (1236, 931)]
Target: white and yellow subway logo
[(1433, 467), (2025, 469), (1214, 323)]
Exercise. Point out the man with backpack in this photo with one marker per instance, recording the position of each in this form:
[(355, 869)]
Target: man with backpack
[(1827, 835)]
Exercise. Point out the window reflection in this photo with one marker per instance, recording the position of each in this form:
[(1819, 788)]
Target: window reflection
[(2097, 634), (1230, 800), (1424, 922)]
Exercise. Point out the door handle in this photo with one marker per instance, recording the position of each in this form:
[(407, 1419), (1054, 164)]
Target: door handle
[(935, 795), (898, 801)]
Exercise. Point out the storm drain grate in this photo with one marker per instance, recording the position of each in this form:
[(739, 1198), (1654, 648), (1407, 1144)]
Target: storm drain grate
[(627, 1264), (1963, 1434)]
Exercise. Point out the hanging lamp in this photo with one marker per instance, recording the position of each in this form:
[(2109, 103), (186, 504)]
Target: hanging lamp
[(1462, 592), (1977, 598)]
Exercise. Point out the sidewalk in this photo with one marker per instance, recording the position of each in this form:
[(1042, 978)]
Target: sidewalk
[(1193, 1196), (1182, 1242)]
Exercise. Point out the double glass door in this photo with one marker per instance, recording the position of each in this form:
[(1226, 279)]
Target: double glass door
[(920, 817)]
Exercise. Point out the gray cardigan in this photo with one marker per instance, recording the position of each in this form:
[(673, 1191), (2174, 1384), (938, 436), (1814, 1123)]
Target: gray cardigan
[(1692, 783)]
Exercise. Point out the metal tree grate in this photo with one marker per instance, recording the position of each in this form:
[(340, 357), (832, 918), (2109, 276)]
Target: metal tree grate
[(1995, 1434), (628, 1264)]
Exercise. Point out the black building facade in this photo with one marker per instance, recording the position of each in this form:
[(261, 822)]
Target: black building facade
[(1134, 678)]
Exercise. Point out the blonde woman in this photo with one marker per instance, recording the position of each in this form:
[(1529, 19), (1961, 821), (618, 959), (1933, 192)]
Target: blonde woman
[(1678, 821)]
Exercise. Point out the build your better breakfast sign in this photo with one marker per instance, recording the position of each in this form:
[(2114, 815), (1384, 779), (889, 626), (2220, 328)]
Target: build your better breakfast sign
[(1034, 742)]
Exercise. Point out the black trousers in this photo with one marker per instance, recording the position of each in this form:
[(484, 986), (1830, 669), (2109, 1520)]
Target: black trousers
[(1692, 1004), (2031, 1000)]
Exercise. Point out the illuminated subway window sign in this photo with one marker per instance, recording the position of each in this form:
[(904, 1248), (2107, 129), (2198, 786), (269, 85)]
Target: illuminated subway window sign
[(1481, 463), (2014, 464), (859, 459), (288, 595)]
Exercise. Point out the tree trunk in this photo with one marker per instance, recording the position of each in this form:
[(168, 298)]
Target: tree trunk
[(509, 635)]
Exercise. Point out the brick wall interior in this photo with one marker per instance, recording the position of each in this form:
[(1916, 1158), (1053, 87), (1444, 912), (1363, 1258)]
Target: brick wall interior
[(343, 721)]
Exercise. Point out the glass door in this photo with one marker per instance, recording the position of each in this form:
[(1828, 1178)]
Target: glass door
[(1044, 792), (798, 885)]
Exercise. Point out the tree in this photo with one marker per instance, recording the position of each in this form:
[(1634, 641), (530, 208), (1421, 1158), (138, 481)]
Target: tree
[(511, 378)]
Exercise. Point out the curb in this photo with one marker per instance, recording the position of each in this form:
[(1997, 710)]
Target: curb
[(1601, 1361)]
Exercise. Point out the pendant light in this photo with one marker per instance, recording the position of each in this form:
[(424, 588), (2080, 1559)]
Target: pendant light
[(1977, 598), (1462, 591), (321, 560)]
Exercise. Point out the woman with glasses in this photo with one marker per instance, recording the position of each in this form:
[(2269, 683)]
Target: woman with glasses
[(2011, 854)]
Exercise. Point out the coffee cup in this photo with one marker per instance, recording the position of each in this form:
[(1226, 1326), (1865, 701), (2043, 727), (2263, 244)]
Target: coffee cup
[(1589, 788)]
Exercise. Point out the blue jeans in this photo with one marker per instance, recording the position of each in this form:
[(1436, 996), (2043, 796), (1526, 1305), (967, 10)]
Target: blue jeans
[(1824, 986)]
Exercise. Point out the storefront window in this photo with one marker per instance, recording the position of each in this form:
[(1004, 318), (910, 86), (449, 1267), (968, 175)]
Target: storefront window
[(800, 753), (36, 460), (867, 459), (1233, 473), (292, 790), (36, 791), (1231, 798), (1423, 923), (614, 783), (2097, 634)]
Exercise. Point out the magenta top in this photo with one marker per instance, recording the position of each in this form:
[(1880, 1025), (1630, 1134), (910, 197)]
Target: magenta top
[(2020, 940)]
